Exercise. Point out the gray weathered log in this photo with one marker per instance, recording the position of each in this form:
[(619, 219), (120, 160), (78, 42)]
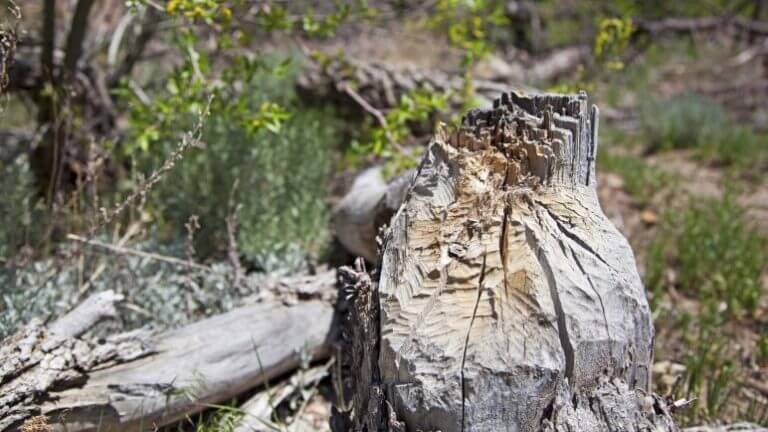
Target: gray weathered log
[(122, 382), (369, 204), (382, 85), (506, 300)]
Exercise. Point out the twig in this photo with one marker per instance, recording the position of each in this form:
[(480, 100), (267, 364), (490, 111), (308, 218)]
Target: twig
[(126, 251), (757, 385), (232, 227), (190, 139), (365, 105), (374, 112), (102, 266)]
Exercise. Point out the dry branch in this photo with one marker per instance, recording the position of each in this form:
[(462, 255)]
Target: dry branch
[(678, 25)]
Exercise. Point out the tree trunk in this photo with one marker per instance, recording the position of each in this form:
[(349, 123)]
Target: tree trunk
[(505, 299)]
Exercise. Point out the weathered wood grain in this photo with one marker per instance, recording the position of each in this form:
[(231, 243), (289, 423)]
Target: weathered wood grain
[(506, 300), (139, 380)]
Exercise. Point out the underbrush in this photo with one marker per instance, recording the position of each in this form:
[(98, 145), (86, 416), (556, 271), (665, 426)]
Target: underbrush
[(691, 121), (264, 166), (641, 180), (254, 189), (157, 293), (710, 254), (17, 208)]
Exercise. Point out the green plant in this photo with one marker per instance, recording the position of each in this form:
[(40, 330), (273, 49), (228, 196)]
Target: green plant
[(762, 348), (385, 139), (275, 17), (696, 122), (710, 371), (710, 253), (18, 224), (681, 122), (467, 24), (611, 40), (641, 180), (263, 152), (717, 256)]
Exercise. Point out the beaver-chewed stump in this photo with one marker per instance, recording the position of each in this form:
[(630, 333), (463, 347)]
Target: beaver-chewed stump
[(505, 300)]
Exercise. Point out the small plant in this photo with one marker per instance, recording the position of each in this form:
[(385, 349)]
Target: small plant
[(694, 122), (641, 180), (384, 140), (467, 24), (717, 256), (17, 208), (611, 40)]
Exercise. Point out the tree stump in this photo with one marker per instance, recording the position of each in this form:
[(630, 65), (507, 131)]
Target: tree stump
[(505, 300)]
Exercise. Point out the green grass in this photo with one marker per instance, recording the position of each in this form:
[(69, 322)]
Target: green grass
[(691, 121), (267, 158), (641, 180), (717, 255), (710, 253)]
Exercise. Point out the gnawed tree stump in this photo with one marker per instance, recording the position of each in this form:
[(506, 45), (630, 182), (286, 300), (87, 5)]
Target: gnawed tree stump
[(505, 300)]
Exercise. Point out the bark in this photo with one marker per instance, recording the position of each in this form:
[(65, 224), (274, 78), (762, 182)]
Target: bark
[(138, 379), (76, 37), (505, 299)]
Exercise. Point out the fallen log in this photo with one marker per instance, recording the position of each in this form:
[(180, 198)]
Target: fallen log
[(382, 86), (369, 205), (135, 380), (700, 24), (505, 299)]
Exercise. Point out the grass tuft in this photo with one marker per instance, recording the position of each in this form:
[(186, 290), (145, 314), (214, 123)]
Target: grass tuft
[(692, 121), (641, 180), (716, 254)]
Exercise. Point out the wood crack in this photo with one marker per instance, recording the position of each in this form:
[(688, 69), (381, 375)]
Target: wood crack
[(562, 328), (503, 256), (599, 297), (572, 236), (466, 342)]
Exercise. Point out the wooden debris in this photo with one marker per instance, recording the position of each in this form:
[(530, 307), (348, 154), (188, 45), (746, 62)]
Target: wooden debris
[(124, 381)]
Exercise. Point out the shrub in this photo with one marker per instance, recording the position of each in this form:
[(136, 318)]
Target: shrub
[(696, 122), (681, 122), (641, 180), (265, 156), (16, 206)]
